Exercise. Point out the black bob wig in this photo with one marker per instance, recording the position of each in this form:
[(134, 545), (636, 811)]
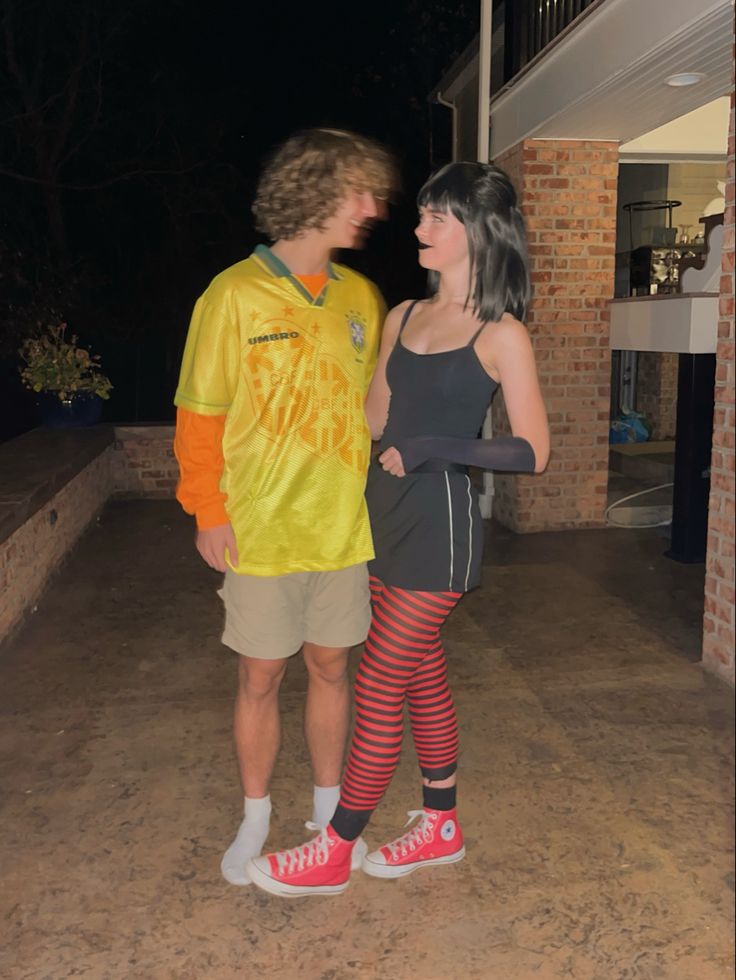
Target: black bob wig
[(481, 196)]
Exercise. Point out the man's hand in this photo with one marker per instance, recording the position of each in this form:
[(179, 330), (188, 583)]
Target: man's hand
[(212, 543), (391, 462)]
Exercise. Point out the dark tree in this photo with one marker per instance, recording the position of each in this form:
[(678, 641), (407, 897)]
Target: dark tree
[(132, 134)]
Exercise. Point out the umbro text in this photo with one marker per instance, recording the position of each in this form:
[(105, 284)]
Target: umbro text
[(272, 336)]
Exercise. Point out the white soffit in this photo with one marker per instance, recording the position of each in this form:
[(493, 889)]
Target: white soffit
[(702, 133), (605, 79)]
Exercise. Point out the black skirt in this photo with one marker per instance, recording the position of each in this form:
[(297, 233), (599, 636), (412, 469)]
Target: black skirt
[(427, 530)]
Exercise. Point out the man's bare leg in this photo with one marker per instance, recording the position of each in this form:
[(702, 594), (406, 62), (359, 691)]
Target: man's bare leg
[(256, 726), (326, 723), (257, 735)]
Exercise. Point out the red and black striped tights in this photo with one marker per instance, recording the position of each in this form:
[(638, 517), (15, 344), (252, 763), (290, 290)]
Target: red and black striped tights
[(403, 661)]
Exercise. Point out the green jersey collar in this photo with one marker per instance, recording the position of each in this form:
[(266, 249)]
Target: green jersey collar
[(277, 268)]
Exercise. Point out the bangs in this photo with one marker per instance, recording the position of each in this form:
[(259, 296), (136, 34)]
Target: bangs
[(372, 173), (367, 165), (447, 191)]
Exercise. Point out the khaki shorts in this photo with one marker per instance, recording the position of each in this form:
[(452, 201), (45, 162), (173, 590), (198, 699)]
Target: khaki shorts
[(270, 618)]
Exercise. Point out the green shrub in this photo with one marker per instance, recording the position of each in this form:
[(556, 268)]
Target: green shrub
[(58, 365)]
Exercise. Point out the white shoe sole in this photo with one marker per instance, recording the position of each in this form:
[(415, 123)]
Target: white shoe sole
[(400, 871), (263, 880)]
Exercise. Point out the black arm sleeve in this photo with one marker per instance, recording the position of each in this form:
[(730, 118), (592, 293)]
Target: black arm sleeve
[(509, 454)]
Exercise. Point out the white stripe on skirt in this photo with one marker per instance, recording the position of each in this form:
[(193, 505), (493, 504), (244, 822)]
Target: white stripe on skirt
[(470, 534), (449, 515)]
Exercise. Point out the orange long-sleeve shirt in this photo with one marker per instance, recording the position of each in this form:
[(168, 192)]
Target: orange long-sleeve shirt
[(198, 449)]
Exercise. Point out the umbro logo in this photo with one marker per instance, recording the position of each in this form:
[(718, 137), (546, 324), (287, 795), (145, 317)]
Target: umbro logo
[(265, 338)]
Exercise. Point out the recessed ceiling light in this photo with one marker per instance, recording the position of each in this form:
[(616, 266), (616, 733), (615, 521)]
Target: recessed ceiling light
[(685, 78)]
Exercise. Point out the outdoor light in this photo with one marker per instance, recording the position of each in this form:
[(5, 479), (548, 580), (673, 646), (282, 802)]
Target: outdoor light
[(685, 78)]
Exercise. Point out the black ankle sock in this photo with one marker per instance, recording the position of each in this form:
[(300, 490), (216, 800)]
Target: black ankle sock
[(439, 799), (350, 824)]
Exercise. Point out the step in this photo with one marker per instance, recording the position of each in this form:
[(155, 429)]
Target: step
[(652, 462)]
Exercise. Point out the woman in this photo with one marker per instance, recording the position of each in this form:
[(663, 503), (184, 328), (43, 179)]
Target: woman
[(441, 361)]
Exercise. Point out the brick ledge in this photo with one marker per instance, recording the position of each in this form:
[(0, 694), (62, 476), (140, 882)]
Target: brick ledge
[(34, 467)]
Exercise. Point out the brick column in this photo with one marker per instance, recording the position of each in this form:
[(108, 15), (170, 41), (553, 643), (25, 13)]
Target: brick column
[(718, 623), (568, 196), (656, 392)]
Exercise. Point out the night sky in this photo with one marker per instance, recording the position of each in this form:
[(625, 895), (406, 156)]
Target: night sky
[(132, 135)]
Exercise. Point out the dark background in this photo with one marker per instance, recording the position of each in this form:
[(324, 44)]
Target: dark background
[(133, 133)]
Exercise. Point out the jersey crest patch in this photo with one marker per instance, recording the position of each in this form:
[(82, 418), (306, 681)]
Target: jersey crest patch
[(357, 326)]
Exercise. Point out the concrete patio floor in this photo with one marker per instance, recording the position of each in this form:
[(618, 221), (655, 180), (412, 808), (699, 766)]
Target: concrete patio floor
[(596, 780)]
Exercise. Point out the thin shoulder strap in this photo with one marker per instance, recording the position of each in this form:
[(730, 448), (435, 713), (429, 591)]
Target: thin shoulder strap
[(477, 333), (407, 314)]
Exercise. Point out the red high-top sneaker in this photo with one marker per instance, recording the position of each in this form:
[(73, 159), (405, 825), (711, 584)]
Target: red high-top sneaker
[(319, 867), (435, 839)]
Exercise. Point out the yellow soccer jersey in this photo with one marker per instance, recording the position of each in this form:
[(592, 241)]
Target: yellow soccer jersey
[(291, 373)]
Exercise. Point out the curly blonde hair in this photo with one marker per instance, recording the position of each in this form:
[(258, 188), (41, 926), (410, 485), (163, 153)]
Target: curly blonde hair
[(306, 177)]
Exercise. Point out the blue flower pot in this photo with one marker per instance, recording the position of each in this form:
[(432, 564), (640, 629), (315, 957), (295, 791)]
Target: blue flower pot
[(78, 410)]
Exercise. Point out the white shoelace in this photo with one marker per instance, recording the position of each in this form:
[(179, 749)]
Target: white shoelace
[(423, 833), (314, 852)]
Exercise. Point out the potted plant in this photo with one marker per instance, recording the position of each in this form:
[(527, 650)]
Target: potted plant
[(67, 379)]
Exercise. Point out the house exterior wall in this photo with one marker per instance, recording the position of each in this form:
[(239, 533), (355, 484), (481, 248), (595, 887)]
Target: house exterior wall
[(718, 621), (567, 191)]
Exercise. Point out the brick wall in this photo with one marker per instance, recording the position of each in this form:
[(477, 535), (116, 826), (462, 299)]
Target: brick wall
[(718, 623), (144, 463), (656, 392), (568, 196), (50, 518), (36, 549)]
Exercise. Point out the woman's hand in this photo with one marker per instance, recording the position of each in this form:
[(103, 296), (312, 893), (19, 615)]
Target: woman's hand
[(392, 462)]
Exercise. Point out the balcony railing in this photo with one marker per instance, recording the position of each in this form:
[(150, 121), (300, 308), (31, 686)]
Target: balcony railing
[(531, 25)]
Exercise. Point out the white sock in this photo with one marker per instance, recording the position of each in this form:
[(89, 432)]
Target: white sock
[(248, 842), (326, 799)]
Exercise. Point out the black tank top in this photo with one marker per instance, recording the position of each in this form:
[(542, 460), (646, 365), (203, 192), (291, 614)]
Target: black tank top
[(443, 394)]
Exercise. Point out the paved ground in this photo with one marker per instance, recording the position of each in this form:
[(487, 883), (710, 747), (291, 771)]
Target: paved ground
[(596, 789)]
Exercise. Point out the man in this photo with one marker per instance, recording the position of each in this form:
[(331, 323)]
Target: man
[(273, 450)]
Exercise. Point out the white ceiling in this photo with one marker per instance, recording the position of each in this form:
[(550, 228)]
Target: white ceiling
[(605, 78), (705, 128)]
